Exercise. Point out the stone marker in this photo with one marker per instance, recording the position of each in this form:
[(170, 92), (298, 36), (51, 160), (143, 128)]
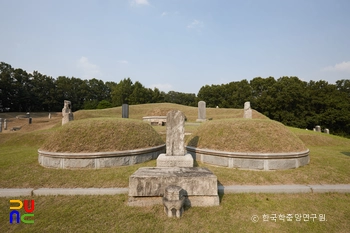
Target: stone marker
[(5, 124), (125, 111), (247, 111), (30, 120), (201, 111), (175, 150), (326, 131), (318, 128), (67, 114), (49, 115), (0, 125), (174, 200)]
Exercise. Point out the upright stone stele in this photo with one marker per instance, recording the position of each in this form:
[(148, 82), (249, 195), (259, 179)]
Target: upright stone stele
[(67, 114), (318, 128), (49, 115), (5, 124), (0, 125), (125, 111), (326, 131), (201, 111), (247, 111), (175, 149)]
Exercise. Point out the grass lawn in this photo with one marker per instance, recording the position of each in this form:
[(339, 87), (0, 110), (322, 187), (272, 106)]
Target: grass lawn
[(111, 214), (19, 168)]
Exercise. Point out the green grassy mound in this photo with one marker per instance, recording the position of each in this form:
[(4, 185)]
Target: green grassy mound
[(160, 109), (246, 135), (102, 135)]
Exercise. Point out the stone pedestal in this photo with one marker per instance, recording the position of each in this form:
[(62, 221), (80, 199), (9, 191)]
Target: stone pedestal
[(175, 161), (147, 185)]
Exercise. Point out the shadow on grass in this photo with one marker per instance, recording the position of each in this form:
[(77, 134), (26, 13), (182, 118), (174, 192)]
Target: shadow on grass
[(346, 153)]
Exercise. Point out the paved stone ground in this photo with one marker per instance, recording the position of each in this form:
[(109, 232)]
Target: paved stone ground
[(337, 188)]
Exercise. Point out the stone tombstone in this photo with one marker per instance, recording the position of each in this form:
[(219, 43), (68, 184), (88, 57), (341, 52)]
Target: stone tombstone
[(5, 124), (30, 120), (318, 128), (0, 125), (247, 111), (175, 133), (125, 111), (326, 131), (175, 151), (49, 115), (201, 111), (67, 114)]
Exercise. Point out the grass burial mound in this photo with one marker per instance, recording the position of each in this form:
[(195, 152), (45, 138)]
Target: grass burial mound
[(101, 142), (248, 143)]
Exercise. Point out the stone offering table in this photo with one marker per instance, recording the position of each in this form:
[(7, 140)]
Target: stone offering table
[(147, 185)]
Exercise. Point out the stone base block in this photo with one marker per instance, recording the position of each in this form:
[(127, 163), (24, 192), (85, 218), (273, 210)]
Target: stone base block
[(190, 201), (175, 161), (147, 185)]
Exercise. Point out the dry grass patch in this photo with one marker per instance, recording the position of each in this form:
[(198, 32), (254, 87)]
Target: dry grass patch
[(246, 135), (102, 134)]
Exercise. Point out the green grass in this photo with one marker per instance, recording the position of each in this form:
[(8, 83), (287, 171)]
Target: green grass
[(111, 214), (19, 168), (139, 111)]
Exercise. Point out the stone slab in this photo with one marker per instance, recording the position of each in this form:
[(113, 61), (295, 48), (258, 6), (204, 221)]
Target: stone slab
[(152, 181), (15, 192), (337, 188), (264, 189), (164, 160), (79, 191)]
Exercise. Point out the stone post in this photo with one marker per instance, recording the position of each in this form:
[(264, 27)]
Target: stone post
[(247, 111), (49, 115), (5, 124), (326, 131), (0, 125), (30, 120), (125, 111), (201, 111)]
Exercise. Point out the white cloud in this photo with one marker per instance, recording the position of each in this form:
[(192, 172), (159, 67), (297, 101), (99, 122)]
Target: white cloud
[(164, 13), (125, 62), (162, 87), (195, 24), (344, 66), (139, 2), (88, 69)]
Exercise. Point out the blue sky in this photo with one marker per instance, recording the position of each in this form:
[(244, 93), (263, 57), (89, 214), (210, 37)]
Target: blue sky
[(178, 45)]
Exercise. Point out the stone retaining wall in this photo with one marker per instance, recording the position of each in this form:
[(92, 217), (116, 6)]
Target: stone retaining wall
[(98, 159), (254, 161)]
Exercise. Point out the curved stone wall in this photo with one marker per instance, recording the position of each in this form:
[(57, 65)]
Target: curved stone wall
[(253, 161), (98, 159)]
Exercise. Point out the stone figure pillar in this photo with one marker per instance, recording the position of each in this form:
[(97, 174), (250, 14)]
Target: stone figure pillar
[(247, 110), (67, 114)]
